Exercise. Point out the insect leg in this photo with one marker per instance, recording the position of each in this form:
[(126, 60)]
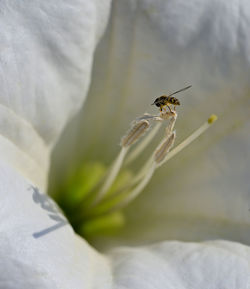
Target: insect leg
[(169, 108)]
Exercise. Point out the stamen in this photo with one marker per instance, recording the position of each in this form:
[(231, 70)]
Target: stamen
[(135, 153), (191, 138), (148, 164), (162, 155), (148, 169), (135, 133), (163, 149), (148, 116), (135, 192), (212, 118), (132, 136), (115, 168), (163, 116)]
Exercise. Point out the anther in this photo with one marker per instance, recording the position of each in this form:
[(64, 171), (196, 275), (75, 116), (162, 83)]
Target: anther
[(135, 133), (164, 148), (212, 118), (148, 116)]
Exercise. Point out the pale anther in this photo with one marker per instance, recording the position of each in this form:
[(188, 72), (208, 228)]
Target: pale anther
[(135, 133), (164, 148)]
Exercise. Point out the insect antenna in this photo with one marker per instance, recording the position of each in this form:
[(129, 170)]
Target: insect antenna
[(180, 90)]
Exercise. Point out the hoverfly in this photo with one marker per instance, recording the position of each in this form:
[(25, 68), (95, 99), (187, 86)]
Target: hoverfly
[(166, 100)]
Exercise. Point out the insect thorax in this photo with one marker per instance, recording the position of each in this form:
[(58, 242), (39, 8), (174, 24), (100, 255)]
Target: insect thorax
[(160, 101)]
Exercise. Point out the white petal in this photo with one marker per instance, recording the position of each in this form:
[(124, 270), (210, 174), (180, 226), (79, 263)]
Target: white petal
[(217, 264), (38, 248), (45, 64)]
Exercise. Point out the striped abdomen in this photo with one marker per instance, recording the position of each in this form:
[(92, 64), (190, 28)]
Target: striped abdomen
[(173, 100)]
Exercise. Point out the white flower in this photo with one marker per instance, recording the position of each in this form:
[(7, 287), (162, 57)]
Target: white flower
[(46, 59)]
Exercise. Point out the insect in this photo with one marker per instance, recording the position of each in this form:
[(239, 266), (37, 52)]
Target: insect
[(166, 100)]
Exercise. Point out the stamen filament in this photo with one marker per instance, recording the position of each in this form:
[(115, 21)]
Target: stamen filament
[(115, 168), (135, 192)]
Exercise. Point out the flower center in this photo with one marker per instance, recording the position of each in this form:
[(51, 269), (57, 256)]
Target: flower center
[(93, 198)]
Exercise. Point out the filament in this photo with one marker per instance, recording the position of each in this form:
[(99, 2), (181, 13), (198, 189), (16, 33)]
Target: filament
[(115, 168)]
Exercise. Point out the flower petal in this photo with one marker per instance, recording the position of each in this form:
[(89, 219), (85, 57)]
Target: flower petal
[(45, 65), (217, 264), (38, 248)]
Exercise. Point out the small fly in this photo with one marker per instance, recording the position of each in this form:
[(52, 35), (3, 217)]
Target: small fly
[(167, 100)]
